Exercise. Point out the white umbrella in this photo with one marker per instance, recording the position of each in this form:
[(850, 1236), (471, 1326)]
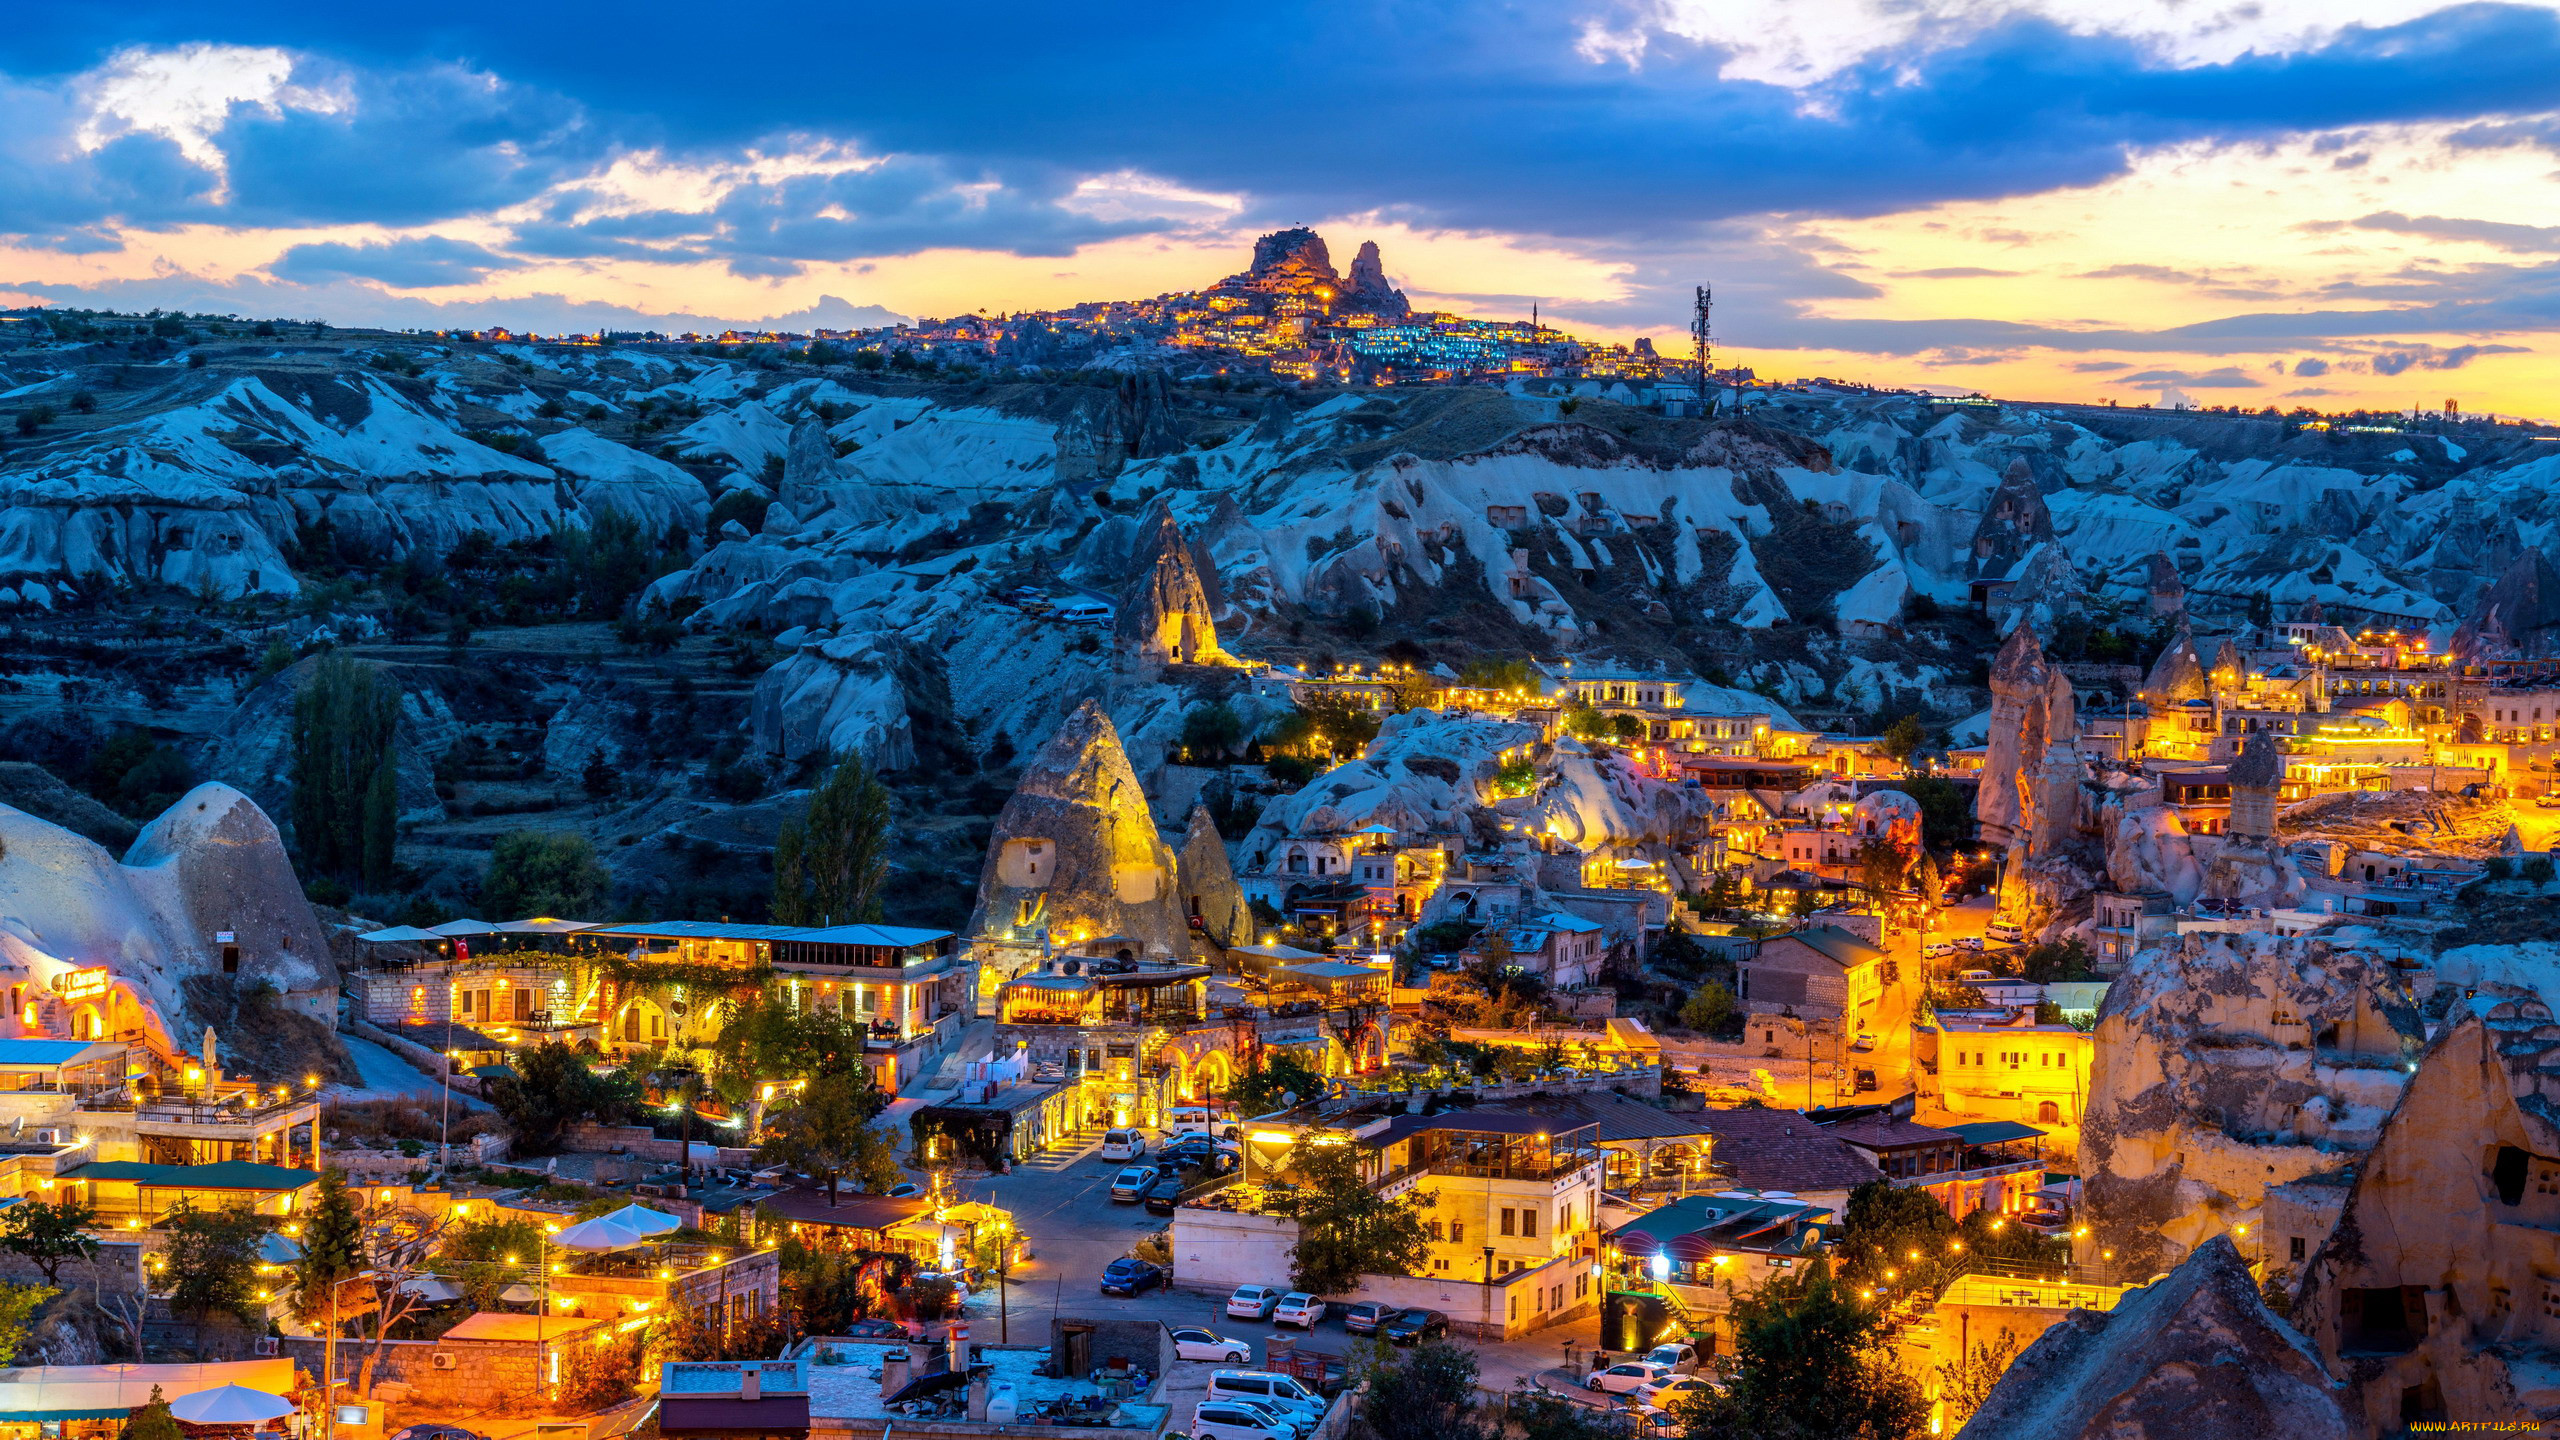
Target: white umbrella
[(645, 1221), (230, 1405), (599, 1235), (451, 928)]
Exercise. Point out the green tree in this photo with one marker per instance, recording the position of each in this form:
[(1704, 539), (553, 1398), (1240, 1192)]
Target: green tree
[(1904, 737), (2536, 870), (345, 771), (46, 1235), (554, 1088), (536, 872), (212, 1262), (828, 1133), (1426, 1393), (1968, 1380), (1345, 1229), (153, 1421), (828, 865), (18, 1305), (1710, 1009), (766, 1039), (1212, 731), (1904, 1232), (1811, 1362), (1262, 1090), (1881, 867), (332, 1256), (490, 1239)]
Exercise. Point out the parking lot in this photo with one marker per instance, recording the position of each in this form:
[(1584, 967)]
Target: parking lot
[(1075, 1230)]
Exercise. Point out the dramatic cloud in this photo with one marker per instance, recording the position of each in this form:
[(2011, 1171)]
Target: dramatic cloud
[(425, 263)]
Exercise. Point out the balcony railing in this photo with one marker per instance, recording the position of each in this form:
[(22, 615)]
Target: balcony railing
[(167, 1111)]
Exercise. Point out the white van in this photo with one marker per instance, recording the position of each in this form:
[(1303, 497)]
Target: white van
[(1213, 1421), (1265, 1387), (1123, 1144)]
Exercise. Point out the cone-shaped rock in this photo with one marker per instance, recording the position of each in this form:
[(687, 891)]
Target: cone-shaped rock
[(1165, 614), (1075, 854), (1208, 883), (2179, 674), (2195, 1354), (808, 468)]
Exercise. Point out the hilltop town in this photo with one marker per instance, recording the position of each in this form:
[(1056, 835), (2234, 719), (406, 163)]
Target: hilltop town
[(723, 876)]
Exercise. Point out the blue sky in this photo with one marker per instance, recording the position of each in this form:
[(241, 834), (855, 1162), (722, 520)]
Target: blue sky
[(2262, 200)]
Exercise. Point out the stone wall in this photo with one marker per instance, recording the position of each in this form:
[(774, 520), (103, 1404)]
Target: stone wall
[(483, 1375), (640, 1140)]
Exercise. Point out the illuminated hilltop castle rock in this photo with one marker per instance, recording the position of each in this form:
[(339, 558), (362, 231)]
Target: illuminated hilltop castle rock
[(1294, 265)]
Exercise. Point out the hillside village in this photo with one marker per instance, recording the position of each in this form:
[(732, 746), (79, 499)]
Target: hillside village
[(718, 879)]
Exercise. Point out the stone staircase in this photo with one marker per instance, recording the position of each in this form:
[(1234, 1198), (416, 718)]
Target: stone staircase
[(1061, 1157)]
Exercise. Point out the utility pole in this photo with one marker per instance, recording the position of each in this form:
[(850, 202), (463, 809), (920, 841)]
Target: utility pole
[(1703, 339)]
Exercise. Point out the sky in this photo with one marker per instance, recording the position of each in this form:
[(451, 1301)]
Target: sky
[(2252, 202)]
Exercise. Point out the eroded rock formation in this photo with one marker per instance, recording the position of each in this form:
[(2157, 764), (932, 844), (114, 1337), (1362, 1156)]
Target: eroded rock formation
[(1208, 883), (2227, 1063), (2519, 616), (2433, 1295), (1165, 617), (2195, 1355), (1075, 854)]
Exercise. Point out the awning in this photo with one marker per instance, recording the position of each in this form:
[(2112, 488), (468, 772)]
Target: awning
[(1994, 1132), (398, 933), (112, 1392)]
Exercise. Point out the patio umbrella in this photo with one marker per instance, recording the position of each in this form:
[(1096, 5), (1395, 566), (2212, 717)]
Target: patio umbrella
[(398, 933), (278, 1249), (645, 1222), (519, 1294), (229, 1405), (451, 928), (599, 1235)]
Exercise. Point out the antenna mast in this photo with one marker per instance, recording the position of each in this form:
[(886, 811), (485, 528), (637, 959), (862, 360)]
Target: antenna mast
[(1699, 333)]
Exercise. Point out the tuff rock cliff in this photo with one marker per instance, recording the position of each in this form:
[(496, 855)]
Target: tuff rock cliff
[(2225, 1064), (1075, 850), (2195, 1355)]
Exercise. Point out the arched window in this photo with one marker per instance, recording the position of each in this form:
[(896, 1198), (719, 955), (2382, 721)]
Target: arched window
[(2048, 1113)]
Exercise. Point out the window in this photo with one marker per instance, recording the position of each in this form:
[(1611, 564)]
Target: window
[(1529, 1224), (1506, 1222), (1457, 1232), (2294, 1249)]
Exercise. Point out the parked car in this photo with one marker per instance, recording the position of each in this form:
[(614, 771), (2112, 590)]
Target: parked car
[(1252, 1302), (1213, 1420), (1131, 1183), (901, 1192), (1123, 1144), (1654, 1424), (1161, 1197), (1265, 1387), (1679, 1356), (1411, 1325), (1298, 1308), (1664, 1394), (1624, 1378), (878, 1330), (1127, 1276), (1863, 1044), (1278, 1417), (1363, 1317), (1210, 1345)]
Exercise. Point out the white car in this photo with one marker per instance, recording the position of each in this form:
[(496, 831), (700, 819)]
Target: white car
[(1298, 1308), (1131, 1183), (1123, 1144), (1279, 1417), (1252, 1302), (1210, 1345), (1682, 1358), (1226, 1420), (1667, 1393), (1632, 1375)]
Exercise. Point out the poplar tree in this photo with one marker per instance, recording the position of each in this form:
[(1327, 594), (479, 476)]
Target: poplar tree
[(345, 804), (828, 865), (332, 1255)]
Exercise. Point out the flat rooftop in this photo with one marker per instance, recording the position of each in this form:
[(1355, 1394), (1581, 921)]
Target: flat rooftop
[(844, 1382)]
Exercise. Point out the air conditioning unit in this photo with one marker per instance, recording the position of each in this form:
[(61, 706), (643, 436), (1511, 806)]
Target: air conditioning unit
[(267, 1345), (443, 1359)]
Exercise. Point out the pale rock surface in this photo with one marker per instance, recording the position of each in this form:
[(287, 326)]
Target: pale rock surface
[(2195, 1355), (1075, 851), (2226, 1064)]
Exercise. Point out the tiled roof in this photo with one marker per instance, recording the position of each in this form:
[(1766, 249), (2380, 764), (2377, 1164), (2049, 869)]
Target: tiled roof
[(852, 1210), (1783, 1150), (1885, 1132), (1618, 1117)]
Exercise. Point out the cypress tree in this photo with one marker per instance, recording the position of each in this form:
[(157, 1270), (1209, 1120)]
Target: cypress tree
[(332, 1255)]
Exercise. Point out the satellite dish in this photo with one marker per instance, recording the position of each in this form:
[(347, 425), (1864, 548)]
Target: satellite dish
[(1289, 1097), (17, 1126)]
